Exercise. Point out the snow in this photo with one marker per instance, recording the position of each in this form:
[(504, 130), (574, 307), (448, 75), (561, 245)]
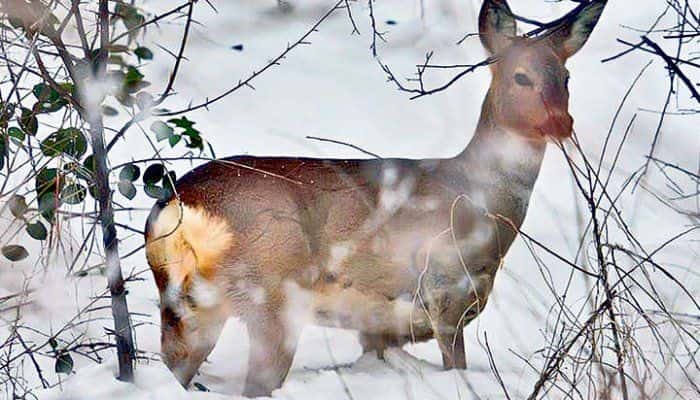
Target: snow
[(335, 89), (151, 382), (400, 376)]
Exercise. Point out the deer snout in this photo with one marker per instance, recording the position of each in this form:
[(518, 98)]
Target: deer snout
[(557, 126)]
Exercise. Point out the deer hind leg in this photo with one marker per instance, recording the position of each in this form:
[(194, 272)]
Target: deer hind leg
[(378, 343), (272, 348)]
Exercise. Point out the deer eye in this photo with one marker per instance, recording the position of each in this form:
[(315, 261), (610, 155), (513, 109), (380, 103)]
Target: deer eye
[(522, 79)]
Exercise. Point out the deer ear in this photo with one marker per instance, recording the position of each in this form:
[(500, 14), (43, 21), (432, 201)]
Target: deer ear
[(573, 31), (496, 25)]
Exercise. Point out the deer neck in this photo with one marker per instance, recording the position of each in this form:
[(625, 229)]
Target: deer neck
[(499, 166)]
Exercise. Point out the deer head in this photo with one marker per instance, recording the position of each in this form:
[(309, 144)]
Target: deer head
[(529, 92)]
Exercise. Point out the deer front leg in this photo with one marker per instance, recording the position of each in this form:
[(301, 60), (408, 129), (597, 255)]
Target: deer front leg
[(447, 329), (272, 348), (446, 318), (450, 339), (448, 325)]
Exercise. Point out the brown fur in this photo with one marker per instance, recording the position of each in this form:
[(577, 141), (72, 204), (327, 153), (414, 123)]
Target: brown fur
[(184, 241), (397, 249)]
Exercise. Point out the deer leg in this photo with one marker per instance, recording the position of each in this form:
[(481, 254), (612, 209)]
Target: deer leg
[(452, 344), (453, 352), (376, 342), (272, 347), (443, 297), (448, 328), (450, 338)]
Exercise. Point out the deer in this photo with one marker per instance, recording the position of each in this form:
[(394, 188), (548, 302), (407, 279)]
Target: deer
[(398, 249)]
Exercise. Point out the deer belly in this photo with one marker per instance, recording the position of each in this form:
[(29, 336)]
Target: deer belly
[(374, 287), (374, 313), (393, 307)]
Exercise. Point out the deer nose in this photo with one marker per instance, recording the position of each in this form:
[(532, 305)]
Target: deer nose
[(558, 126)]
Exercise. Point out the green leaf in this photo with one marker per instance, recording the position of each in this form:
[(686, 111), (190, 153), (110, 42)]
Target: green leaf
[(69, 141), (67, 87), (153, 174), (194, 138), (77, 170), (47, 181), (49, 100), (18, 205), (201, 387), (135, 87), (143, 53), (87, 173), (15, 252), (37, 230), (125, 99), (122, 10), (47, 206), (16, 133), (109, 111), (28, 122), (191, 132), (92, 189), (130, 16), (44, 92), (89, 164), (162, 130), (64, 363), (71, 167), (183, 122), (130, 172), (169, 185), (156, 192), (144, 100), (73, 193), (174, 140), (132, 24), (133, 75), (47, 28), (8, 110), (169, 181), (127, 189), (195, 142), (51, 107)]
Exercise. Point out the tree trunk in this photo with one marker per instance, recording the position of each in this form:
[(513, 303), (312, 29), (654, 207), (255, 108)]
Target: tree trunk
[(115, 280), (120, 310)]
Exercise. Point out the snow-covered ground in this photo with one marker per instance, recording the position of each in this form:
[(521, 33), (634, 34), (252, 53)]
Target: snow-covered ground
[(335, 89)]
